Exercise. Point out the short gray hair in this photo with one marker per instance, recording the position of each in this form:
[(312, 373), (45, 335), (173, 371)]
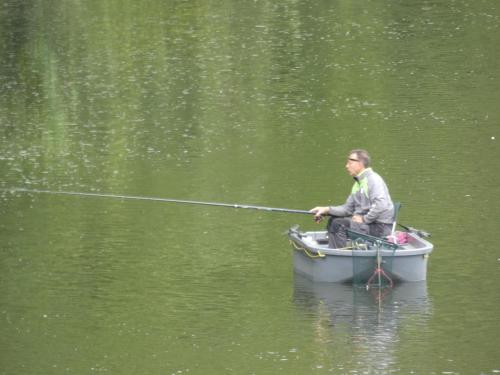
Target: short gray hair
[(363, 156)]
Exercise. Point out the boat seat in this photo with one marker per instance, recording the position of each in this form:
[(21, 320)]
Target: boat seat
[(397, 207)]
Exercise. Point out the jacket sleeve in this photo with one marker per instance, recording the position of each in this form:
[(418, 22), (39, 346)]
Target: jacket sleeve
[(381, 208), (347, 209)]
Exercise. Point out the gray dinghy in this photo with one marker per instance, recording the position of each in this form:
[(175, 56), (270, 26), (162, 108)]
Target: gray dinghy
[(366, 259)]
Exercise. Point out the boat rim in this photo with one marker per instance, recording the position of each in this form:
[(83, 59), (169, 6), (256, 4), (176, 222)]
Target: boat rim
[(297, 238)]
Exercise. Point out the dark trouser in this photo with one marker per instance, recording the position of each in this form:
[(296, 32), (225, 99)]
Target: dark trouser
[(337, 235)]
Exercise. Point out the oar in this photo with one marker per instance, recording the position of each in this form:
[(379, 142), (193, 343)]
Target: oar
[(168, 200)]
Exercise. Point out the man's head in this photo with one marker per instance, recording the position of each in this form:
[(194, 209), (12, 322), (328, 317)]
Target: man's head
[(357, 161)]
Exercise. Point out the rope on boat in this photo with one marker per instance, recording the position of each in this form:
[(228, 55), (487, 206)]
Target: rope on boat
[(307, 252)]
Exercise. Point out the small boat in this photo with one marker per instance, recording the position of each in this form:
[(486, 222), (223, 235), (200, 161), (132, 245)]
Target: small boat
[(365, 259)]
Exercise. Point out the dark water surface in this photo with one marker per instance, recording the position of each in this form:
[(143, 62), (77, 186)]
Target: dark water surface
[(252, 102)]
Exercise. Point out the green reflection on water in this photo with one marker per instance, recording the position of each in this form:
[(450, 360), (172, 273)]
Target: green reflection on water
[(253, 103)]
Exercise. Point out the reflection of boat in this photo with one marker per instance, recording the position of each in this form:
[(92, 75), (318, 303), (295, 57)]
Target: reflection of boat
[(358, 262), (412, 297), (367, 324)]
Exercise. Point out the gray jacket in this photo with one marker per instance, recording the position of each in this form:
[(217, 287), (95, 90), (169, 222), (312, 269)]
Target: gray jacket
[(369, 198)]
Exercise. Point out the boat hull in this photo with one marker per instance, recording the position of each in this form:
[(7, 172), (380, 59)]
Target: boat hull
[(316, 261)]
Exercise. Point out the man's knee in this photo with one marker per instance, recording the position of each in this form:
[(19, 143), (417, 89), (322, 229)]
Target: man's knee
[(337, 223), (359, 227)]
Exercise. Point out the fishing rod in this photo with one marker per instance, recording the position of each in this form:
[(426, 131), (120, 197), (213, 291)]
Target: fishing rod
[(418, 232), (167, 200)]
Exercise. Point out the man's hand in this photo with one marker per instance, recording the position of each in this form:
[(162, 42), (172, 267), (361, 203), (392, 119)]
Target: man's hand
[(319, 212), (357, 219)]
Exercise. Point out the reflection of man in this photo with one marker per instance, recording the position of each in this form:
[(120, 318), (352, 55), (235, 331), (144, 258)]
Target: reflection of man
[(368, 208)]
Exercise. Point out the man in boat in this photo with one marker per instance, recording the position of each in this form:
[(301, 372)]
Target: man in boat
[(368, 209)]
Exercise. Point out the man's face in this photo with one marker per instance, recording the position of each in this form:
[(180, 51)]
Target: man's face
[(354, 166)]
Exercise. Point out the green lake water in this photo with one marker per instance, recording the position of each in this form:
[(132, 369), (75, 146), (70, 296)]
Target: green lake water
[(252, 102)]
